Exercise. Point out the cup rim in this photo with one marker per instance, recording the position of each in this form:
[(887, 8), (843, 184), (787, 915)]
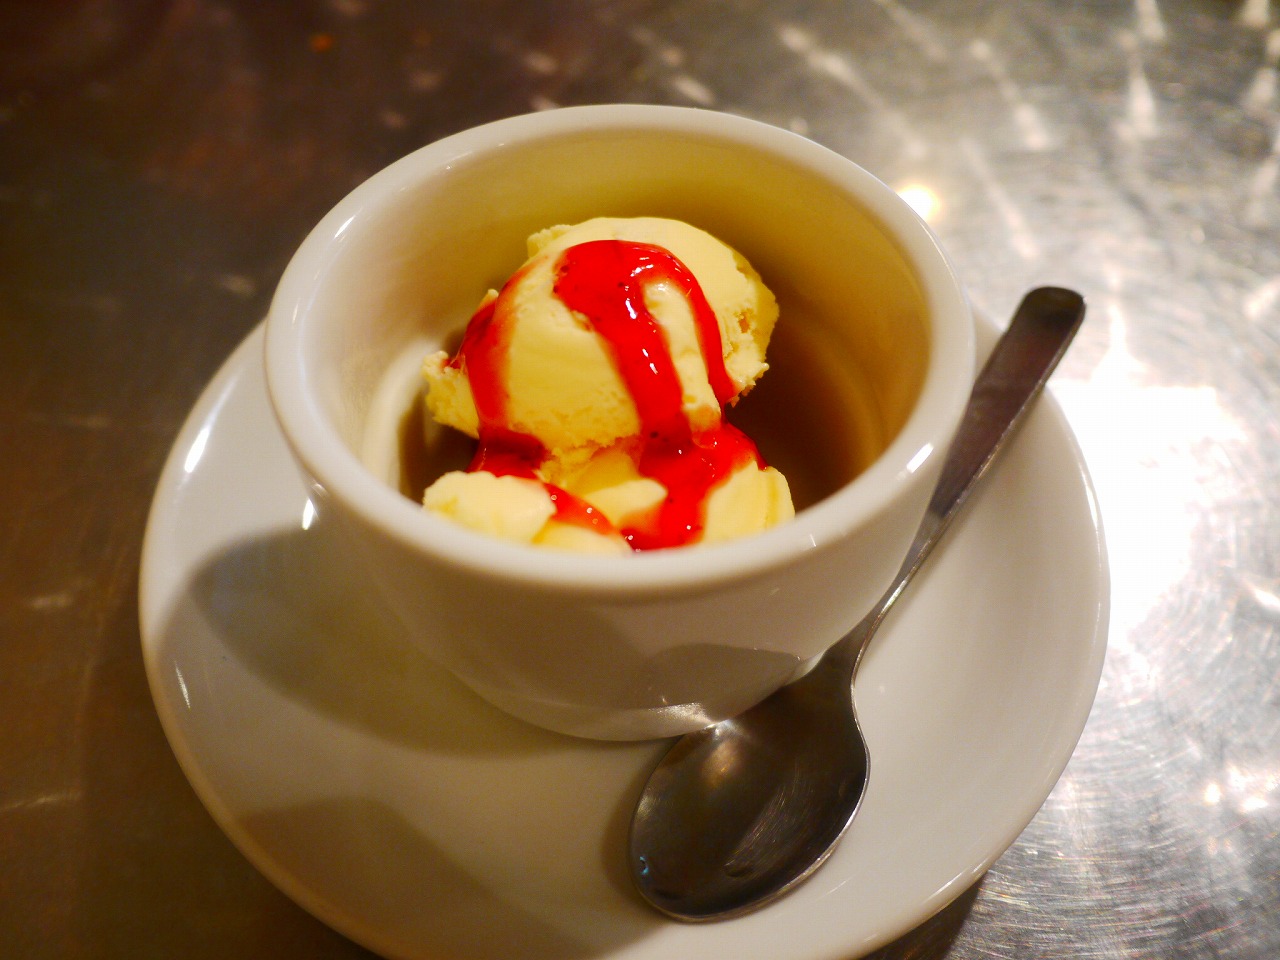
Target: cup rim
[(339, 471)]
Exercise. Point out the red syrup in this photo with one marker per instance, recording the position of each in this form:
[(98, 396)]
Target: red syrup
[(502, 451), (605, 281)]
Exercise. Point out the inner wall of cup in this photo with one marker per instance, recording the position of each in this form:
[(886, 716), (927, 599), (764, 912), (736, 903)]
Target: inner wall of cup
[(414, 263)]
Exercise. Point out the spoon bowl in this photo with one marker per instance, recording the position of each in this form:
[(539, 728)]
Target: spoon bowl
[(740, 847), (738, 814)]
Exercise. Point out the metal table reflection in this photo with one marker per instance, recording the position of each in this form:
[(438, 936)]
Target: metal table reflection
[(160, 159)]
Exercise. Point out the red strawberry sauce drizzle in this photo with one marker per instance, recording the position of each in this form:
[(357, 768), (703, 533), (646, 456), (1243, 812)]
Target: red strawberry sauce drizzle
[(605, 281)]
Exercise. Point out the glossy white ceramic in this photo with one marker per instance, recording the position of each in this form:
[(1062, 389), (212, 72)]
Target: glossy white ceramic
[(637, 646), (395, 805)]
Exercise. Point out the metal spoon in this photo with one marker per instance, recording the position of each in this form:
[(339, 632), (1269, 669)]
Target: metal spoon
[(738, 814)]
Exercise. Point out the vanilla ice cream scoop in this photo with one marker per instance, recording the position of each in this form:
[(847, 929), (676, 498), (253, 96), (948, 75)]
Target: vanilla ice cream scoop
[(561, 384), (598, 377)]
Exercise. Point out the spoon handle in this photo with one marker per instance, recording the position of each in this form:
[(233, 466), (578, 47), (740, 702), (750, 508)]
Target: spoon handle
[(1013, 376)]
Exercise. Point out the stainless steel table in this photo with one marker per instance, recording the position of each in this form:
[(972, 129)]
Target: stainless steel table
[(160, 159)]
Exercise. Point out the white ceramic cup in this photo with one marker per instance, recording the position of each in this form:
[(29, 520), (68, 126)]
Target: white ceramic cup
[(659, 643)]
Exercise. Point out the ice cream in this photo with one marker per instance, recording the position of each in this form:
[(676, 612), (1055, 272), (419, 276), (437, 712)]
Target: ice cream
[(595, 383)]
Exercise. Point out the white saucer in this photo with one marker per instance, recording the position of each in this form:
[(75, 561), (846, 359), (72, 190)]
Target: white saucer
[(391, 803)]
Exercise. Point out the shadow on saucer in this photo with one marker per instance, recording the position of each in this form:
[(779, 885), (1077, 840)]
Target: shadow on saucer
[(385, 898), (374, 788), (305, 622), (933, 939)]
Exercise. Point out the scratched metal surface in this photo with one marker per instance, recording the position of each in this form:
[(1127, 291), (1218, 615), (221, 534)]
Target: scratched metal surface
[(159, 159)]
